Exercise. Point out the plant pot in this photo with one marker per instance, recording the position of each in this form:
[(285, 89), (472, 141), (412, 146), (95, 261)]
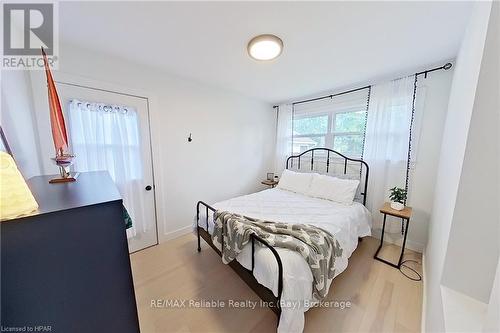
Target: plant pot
[(397, 205)]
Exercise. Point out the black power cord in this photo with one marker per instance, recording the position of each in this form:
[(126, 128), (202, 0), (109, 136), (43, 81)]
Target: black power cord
[(417, 274)]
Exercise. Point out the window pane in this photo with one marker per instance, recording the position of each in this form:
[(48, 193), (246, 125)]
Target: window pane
[(301, 144), (310, 125), (350, 121), (349, 145)]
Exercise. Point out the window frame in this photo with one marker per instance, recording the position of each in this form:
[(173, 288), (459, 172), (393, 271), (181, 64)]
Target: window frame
[(331, 134)]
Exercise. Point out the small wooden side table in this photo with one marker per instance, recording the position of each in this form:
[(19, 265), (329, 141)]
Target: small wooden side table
[(404, 214), (271, 183)]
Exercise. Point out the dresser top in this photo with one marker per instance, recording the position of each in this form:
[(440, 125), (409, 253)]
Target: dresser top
[(91, 188)]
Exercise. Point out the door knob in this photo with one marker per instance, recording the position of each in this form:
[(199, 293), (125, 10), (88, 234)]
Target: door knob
[(148, 188)]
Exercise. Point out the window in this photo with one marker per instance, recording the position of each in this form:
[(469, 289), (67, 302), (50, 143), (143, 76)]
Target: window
[(106, 137), (337, 123), (309, 132)]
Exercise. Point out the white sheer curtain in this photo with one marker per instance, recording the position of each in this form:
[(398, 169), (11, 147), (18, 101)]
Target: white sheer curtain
[(386, 142), (284, 136), (106, 137)]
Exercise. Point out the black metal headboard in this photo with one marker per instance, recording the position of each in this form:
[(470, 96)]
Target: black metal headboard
[(337, 155)]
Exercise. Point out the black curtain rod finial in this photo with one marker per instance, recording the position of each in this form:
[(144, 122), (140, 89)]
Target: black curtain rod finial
[(445, 67)]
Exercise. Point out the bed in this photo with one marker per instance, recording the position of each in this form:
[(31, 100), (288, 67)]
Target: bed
[(281, 277)]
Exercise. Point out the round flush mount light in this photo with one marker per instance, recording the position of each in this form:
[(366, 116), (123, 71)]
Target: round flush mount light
[(265, 47)]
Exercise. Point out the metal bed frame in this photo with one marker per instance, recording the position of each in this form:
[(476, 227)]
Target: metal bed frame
[(273, 302)]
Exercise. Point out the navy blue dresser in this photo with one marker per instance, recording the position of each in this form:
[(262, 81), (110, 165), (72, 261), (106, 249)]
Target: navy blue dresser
[(66, 268)]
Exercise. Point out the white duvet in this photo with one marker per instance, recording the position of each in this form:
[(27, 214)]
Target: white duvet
[(346, 223)]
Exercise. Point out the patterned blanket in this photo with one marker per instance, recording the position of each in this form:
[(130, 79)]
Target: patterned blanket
[(127, 218), (318, 247)]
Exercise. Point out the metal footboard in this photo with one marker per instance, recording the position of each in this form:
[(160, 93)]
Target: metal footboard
[(264, 293)]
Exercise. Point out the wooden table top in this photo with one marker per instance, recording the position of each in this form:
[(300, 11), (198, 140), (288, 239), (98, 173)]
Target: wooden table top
[(405, 213), (269, 182)]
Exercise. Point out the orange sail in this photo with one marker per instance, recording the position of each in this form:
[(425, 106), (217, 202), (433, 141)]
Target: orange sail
[(57, 123)]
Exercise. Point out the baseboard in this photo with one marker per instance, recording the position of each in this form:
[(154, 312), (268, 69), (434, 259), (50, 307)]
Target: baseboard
[(176, 233), (415, 246), (424, 295), (412, 245), (462, 313)]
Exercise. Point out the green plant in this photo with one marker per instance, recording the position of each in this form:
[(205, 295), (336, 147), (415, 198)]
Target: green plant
[(397, 195)]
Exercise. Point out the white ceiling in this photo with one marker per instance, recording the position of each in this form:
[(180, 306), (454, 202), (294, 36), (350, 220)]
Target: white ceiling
[(328, 45)]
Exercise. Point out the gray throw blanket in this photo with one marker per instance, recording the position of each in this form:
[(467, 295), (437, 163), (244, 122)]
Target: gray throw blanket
[(318, 247)]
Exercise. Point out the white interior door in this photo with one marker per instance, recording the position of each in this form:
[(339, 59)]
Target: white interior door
[(110, 131)]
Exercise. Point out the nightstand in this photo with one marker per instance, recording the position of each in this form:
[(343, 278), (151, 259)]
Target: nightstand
[(271, 183), (404, 214)]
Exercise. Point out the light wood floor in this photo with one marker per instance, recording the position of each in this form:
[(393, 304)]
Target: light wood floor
[(383, 300)]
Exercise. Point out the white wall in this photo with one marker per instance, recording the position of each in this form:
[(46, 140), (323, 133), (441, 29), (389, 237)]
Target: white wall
[(233, 136), (477, 201), (462, 95), (18, 121)]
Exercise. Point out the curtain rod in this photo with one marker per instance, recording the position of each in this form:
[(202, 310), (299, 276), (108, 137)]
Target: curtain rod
[(446, 66)]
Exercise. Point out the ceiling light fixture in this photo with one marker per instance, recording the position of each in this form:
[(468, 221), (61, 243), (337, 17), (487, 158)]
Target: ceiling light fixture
[(265, 47)]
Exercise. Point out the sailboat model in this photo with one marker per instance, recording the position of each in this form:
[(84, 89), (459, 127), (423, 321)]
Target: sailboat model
[(63, 158)]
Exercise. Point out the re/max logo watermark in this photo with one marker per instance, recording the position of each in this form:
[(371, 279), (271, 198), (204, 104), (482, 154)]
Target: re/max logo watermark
[(247, 304), (28, 27)]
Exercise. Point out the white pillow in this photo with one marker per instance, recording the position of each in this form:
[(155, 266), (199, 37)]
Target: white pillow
[(295, 181), (333, 188), (358, 196)]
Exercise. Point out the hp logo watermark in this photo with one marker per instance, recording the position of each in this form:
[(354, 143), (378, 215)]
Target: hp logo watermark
[(28, 27)]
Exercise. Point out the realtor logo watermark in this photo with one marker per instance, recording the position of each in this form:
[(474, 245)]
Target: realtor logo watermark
[(28, 27)]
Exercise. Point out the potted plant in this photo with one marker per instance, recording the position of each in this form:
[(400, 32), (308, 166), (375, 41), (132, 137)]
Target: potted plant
[(397, 197)]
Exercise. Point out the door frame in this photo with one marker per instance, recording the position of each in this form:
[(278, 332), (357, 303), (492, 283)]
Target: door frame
[(151, 100)]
